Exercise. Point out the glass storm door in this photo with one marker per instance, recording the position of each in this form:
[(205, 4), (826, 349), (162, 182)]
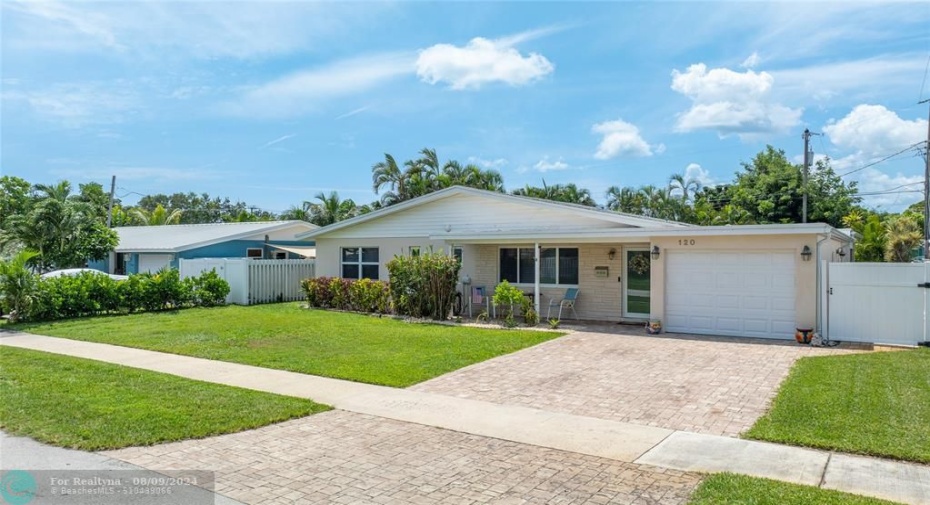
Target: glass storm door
[(637, 266)]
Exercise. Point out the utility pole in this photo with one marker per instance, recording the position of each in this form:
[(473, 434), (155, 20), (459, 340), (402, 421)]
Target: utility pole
[(807, 164), (927, 186), (110, 205)]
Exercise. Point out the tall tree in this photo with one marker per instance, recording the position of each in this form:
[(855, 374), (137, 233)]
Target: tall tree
[(567, 193), (331, 209), (902, 236), (159, 216)]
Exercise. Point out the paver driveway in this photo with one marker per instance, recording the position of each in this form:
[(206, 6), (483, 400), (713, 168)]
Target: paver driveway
[(344, 457), (718, 386)]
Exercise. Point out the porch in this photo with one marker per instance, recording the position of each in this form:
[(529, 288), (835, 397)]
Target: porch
[(613, 279)]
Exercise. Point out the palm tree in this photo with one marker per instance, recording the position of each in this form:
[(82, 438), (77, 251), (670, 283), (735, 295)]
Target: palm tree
[(60, 191), (159, 216), (625, 199), (688, 187), (331, 209), (902, 234), (388, 174), (295, 213)]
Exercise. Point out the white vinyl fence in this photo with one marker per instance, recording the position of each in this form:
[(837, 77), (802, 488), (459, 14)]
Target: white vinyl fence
[(886, 303), (255, 281)]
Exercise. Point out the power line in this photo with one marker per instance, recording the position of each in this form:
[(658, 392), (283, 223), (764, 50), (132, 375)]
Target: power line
[(886, 158)]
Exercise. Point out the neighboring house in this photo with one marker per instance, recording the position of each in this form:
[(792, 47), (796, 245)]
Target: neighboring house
[(151, 248), (756, 281)]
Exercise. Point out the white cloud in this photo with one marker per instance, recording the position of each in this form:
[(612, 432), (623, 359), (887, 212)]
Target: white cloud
[(875, 130), (903, 190), (483, 163), (305, 91), (79, 104), (731, 102), (545, 165), (858, 80), (621, 139), (483, 61), (696, 172), (198, 29), (278, 140), (752, 61)]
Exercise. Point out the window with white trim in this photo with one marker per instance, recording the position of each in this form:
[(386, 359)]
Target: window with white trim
[(256, 253), (360, 263), (557, 265)]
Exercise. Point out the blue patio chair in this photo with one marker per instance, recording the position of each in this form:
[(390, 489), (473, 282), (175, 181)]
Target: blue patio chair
[(567, 302)]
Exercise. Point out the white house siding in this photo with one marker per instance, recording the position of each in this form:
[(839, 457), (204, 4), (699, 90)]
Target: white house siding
[(329, 260), (463, 213)]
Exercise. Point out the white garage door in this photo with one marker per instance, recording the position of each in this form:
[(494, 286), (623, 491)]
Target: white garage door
[(744, 294), (153, 262)]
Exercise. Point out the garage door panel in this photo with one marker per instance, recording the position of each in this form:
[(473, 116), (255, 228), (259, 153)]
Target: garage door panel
[(755, 302), (740, 294), (727, 302)]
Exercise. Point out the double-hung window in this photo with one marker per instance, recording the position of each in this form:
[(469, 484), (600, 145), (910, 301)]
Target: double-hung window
[(360, 263), (557, 265)]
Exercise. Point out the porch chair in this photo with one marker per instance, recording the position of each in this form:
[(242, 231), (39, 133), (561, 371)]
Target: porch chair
[(567, 302)]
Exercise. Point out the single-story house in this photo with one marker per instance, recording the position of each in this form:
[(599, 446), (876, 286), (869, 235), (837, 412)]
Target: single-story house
[(151, 248), (753, 280)]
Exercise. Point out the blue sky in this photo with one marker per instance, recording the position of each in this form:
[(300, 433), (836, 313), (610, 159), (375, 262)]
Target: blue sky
[(272, 102)]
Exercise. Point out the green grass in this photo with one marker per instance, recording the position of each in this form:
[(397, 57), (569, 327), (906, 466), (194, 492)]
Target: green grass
[(284, 336), (731, 489), (86, 404), (875, 404)]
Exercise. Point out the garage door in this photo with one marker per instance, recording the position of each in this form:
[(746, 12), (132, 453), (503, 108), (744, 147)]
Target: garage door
[(745, 294), (153, 262)]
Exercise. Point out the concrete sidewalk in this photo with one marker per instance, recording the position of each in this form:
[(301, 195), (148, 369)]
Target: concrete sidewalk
[(903, 482)]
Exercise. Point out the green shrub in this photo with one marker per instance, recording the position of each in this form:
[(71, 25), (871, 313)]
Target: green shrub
[(90, 294), (209, 289), (363, 295), (17, 285), (424, 285), (506, 296)]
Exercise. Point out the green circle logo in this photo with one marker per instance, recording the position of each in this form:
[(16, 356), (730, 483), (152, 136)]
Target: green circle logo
[(18, 487)]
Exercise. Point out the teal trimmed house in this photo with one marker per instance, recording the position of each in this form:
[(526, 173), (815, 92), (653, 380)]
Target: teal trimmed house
[(151, 248)]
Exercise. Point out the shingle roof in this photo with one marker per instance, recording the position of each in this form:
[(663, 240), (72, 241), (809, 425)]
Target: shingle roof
[(180, 237)]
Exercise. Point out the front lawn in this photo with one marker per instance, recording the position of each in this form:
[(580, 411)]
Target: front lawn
[(86, 404), (876, 404), (728, 488), (284, 336)]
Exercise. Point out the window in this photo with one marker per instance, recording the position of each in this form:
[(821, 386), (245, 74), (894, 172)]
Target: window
[(457, 252), (255, 253), (280, 255), (557, 265), (414, 250), (360, 263)]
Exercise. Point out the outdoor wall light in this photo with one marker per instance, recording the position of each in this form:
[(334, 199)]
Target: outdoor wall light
[(841, 252), (611, 254), (806, 253), (655, 252)]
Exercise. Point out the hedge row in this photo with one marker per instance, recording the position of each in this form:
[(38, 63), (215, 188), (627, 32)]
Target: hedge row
[(90, 294), (363, 295)]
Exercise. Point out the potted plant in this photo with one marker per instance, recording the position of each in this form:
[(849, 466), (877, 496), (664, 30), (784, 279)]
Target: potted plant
[(654, 326)]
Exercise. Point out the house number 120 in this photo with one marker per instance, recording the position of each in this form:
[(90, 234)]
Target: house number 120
[(686, 241)]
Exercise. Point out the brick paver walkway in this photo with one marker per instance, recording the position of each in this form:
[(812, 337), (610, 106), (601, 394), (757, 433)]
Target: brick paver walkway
[(344, 457), (718, 386)]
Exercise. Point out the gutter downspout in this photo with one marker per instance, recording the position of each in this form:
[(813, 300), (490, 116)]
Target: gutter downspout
[(536, 277), (819, 319)]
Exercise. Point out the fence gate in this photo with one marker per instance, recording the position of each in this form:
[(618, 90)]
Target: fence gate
[(883, 303), (277, 280)]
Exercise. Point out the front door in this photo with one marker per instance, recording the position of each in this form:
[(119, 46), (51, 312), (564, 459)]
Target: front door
[(637, 265)]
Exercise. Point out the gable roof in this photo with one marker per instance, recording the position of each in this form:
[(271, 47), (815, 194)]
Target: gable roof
[(571, 208), (181, 237)]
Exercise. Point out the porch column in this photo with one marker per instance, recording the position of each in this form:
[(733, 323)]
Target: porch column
[(536, 278)]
